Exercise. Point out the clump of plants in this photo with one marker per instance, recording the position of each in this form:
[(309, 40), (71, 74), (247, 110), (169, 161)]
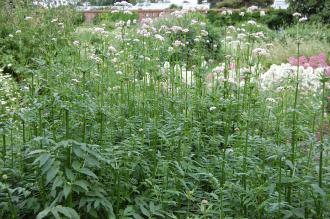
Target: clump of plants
[(169, 118)]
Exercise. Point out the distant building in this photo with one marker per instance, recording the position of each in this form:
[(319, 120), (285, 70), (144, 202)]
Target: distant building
[(164, 4), (54, 3), (280, 4)]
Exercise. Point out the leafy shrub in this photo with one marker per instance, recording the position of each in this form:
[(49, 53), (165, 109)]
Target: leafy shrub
[(274, 19)]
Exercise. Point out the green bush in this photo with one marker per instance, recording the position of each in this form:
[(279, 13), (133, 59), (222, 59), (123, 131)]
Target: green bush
[(274, 19), (240, 3)]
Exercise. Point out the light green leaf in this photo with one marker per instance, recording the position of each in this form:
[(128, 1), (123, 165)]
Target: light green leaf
[(66, 190), (52, 172), (55, 213), (68, 212), (43, 213)]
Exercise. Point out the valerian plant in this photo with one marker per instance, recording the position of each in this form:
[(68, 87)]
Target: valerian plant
[(158, 118)]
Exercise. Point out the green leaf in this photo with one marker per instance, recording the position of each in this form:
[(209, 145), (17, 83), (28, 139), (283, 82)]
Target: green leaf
[(145, 211), (55, 213), (87, 172), (66, 190), (318, 190), (69, 174), (57, 182), (43, 213), (47, 166), (68, 212), (42, 159), (137, 216), (82, 183), (299, 213), (52, 173), (129, 210), (78, 152), (37, 151)]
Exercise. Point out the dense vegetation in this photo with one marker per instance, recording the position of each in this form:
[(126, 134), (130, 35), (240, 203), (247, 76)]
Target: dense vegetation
[(179, 117)]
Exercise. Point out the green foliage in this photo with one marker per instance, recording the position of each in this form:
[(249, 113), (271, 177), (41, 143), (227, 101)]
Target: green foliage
[(240, 3), (174, 6), (111, 18), (274, 19), (317, 11)]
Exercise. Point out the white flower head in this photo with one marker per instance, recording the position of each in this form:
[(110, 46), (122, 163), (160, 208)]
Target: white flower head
[(303, 19), (204, 33), (212, 108), (159, 37), (76, 43), (260, 52), (296, 14), (252, 22)]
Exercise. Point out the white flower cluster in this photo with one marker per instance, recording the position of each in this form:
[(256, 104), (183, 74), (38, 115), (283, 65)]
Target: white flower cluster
[(8, 92), (281, 75)]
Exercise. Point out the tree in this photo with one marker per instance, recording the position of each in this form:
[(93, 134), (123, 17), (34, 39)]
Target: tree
[(315, 10)]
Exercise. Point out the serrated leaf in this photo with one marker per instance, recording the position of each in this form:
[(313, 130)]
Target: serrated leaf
[(87, 172), (57, 182), (82, 183), (78, 152), (129, 210), (144, 211)]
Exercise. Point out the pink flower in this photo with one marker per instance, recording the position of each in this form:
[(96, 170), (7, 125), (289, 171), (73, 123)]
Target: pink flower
[(306, 65), (314, 61), (293, 61), (302, 60), (323, 60)]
